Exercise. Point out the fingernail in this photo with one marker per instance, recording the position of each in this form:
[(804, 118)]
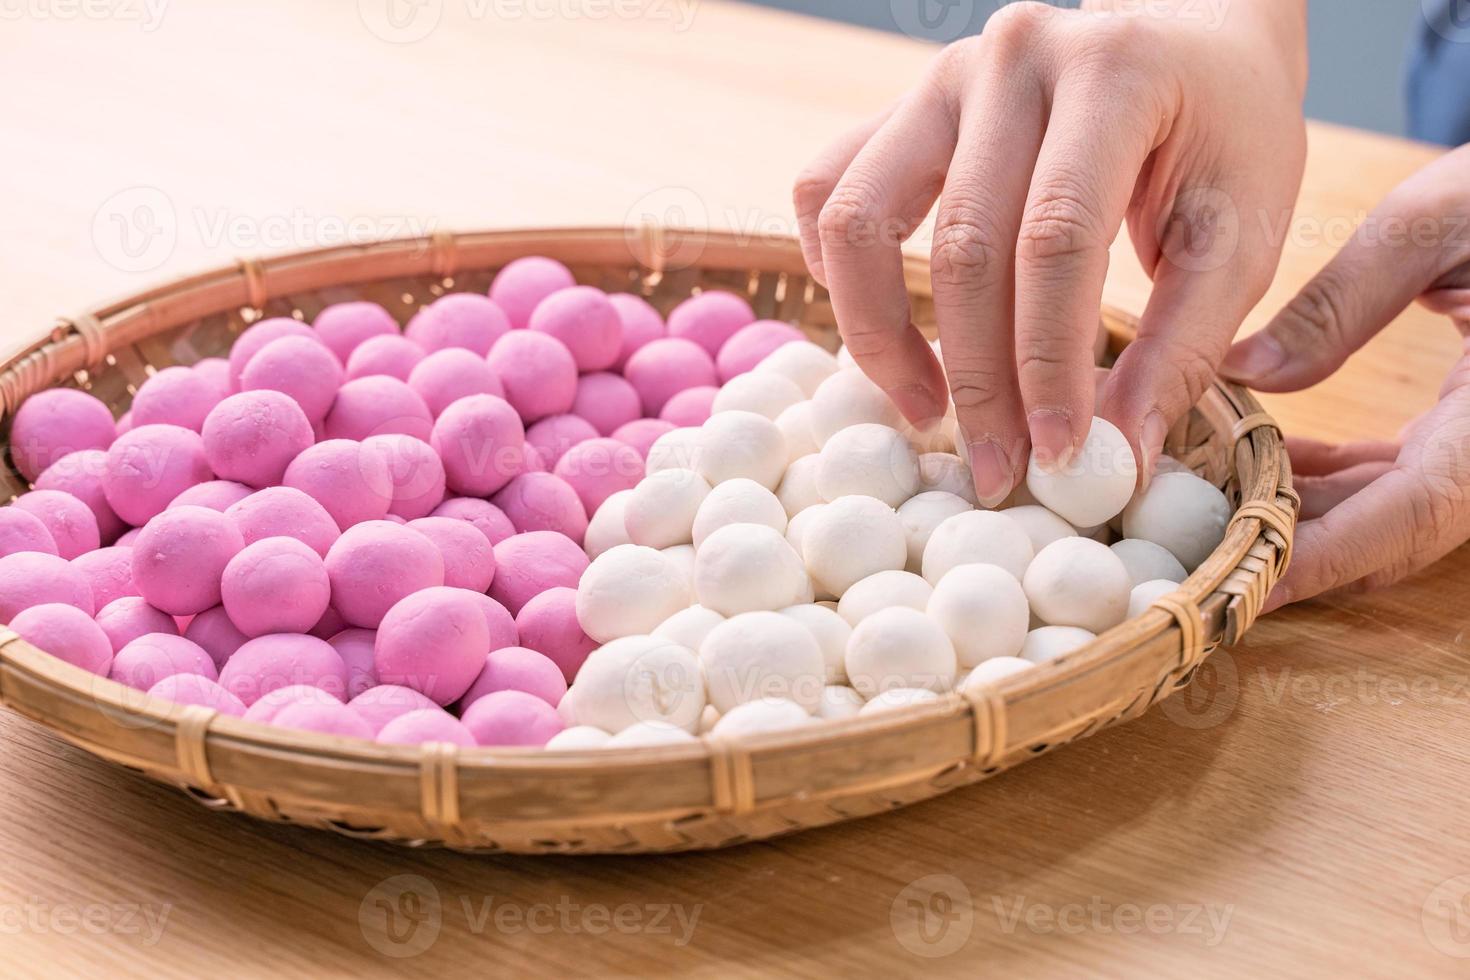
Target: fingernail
[(1254, 358), (992, 472), (917, 404), (1051, 439), (1151, 441)]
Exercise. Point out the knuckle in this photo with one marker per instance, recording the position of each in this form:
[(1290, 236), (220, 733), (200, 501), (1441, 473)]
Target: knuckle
[(1039, 360), (846, 216), (974, 389), (1017, 24), (1317, 316), (1058, 226), (811, 190), (966, 252), (1436, 514)]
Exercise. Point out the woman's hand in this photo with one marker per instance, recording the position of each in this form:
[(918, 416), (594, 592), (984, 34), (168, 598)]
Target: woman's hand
[(1038, 138), (1376, 511)]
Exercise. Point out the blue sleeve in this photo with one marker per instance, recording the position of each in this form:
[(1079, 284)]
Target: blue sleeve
[(1439, 74)]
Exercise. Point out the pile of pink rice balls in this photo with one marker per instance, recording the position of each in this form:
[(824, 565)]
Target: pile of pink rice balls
[(547, 517)]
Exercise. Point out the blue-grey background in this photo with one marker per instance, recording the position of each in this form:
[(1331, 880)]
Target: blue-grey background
[(1358, 47)]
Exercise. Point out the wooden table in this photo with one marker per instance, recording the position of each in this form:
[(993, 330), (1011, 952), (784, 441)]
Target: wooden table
[(1299, 810)]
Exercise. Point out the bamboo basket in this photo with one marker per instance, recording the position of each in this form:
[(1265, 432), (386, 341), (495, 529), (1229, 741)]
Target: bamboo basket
[(710, 794)]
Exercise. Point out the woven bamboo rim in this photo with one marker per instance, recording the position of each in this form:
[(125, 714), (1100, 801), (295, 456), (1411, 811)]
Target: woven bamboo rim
[(709, 794)]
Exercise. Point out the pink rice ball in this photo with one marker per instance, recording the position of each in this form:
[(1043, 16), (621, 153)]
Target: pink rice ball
[(324, 719), (517, 669), (174, 396), (512, 718), (537, 371), (129, 617), (254, 339), (343, 327), (300, 367), (149, 466), (479, 439), (72, 524), (277, 585), (485, 516), (379, 705), (55, 423), (543, 502), (752, 344), (284, 512), (32, 578), (218, 495), (376, 564), (252, 437), (690, 407), (582, 318), (416, 471), (710, 319), (216, 634), (663, 368), (355, 647), (124, 423), (268, 705), (67, 633), (548, 624), (469, 559), (641, 324), (278, 660), (426, 725), (375, 406), (555, 434), (329, 625), (434, 642), (109, 571), (350, 481), (466, 320), (23, 531), (180, 557), (498, 621), (393, 355), (447, 375), (598, 468), (521, 286), (81, 475), (152, 657), (193, 689), (607, 401), (528, 564), (216, 371), (641, 434)]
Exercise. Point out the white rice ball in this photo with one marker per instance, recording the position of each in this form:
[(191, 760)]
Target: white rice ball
[(608, 529), (1041, 525), (993, 670), (627, 591), (947, 472), (661, 509), (708, 719), (898, 697), (762, 655), (850, 539), (921, 514), (1181, 512), (764, 715), (647, 734), (1147, 561), (741, 444), (796, 527), (839, 701), (688, 627), (983, 610), (845, 360), (868, 459), (883, 590), (804, 363), (748, 567), (677, 449), (798, 489), (1078, 582), (764, 394), (738, 501), (795, 424), (830, 631), (1144, 594), (1051, 642), (982, 536), (1097, 482), (849, 398), (899, 647), (637, 678), (578, 737)]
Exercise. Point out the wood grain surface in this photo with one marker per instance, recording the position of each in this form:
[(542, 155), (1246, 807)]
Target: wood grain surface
[(1299, 811)]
